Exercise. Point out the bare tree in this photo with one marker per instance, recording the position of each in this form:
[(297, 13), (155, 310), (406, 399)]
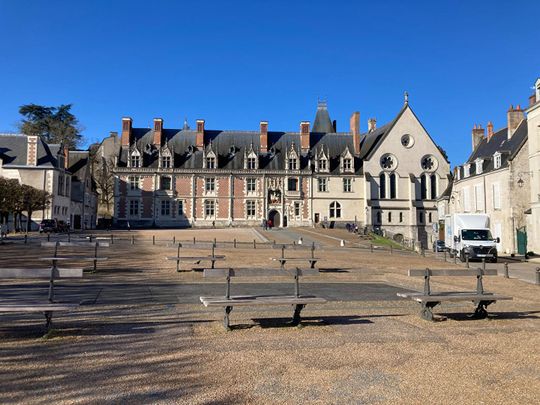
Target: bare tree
[(103, 176)]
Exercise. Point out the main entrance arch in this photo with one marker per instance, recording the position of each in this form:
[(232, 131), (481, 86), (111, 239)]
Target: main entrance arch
[(275, 217)]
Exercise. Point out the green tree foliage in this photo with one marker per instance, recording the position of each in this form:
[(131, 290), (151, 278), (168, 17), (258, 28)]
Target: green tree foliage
[(55, 124), (17, 198)]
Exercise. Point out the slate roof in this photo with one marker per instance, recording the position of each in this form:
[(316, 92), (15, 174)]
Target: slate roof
[(498, 142), (323, 123), (13, 151)]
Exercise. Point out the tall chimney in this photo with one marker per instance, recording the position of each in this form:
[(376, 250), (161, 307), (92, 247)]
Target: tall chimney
[(199, 139), (31, 150), (263, 137), (158, 131), (372, 124), (126, 131), (478, 135), (515, 116), (532, 100), (355, 130), (304, 136), (334, 125), (489, 130)]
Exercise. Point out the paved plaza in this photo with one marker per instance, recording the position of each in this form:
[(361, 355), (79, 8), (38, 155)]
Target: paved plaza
[(141, 334)]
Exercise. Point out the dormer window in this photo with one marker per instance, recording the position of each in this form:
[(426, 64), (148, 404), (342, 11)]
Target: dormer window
[(251, 159), (135, 161), (347, 165), (166, 162), (497, 160), (467, 170), (323, 165), (252, 163), (292, 164), (479, 163), (210, 162)]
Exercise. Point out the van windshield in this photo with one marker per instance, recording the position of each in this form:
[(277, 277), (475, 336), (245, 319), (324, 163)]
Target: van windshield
[(476, 234)]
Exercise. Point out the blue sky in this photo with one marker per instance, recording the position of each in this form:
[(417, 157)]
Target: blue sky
[(236, 63)]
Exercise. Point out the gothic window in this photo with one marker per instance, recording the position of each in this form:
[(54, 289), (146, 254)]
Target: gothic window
[(429, 163), (166, 162), (433, 186), (388, 162), (335, 209), (210, 162), (323, 165), (382, 186), (135, 161), (292, 164), (393, 186), (209, 208), (423, 187), (252, 163)]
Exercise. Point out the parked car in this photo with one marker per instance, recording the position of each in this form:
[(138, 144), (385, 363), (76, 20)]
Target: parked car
[(48, 225), (438, 246)]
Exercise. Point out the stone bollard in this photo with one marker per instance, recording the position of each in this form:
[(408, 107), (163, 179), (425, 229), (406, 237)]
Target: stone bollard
[(371, 247), (194, 240), (254, 244), (112, 239), (391, 250), (234, 243), (25, 239), (342, 243), (132, 239), (483, 264), (153, 239), (445, 255), (300, 241), (467, 259), (455, 257), (174, 239), (48, 237), (506, 275), (538, 276)]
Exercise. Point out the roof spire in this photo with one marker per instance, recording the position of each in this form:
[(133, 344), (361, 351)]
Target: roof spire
[(186, 125), (406, 96)]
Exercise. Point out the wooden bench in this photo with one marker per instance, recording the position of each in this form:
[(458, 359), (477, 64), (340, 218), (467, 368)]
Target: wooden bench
[(283, 260), (428, 299), (48, 306), (95, 258), (195, 259), (229, 301)]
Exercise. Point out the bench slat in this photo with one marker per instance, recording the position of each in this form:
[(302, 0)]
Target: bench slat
[(283, 259), (45, 273), (37, 307), (75, 244), (99, 259), (257, 272), (187, 258), (453, 296), (245, 300), (452, 272)]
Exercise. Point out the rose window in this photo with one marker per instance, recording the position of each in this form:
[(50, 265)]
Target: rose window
[(388, 162), (429, 163)]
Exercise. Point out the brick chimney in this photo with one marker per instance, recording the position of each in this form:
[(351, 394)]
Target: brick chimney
[(532, 100), (372, 124), (515, 116), (304, 136), (158, 131), (355, 130), (489, 130), (126, 131), (263, 136), (31, 150), (478, 135), (199, 140)]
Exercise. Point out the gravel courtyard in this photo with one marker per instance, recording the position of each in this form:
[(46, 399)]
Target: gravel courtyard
[(142, 336)]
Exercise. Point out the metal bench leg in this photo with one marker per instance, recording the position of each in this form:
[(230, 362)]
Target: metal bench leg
[(426, 311), (48, 320), (481, 310), (226, 318), (296, 316)]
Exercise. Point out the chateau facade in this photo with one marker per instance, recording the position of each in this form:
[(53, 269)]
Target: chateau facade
[(388, 177)]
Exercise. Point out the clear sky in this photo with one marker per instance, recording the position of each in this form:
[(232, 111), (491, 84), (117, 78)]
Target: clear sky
[(235, 63)]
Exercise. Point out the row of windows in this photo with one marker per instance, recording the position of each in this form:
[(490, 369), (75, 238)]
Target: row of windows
[(388, 186), (60, 210), (322, 185), (479, 165), (389, 217), (209, 208), (64, 185), (479, 198)]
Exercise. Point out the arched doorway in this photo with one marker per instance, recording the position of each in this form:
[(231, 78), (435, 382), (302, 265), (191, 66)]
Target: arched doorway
[(275, 217)]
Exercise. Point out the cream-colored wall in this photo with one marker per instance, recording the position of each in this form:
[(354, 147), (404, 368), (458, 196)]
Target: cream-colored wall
[(352, 204), (533, 229)]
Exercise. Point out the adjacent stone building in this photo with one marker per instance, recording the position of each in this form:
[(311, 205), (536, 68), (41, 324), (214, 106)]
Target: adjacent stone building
[(533, 175), (388, 177)]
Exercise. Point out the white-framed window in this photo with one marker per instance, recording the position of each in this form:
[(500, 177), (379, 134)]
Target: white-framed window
[(180, 207), (335, 209), (292, 184), (134, 182), (166, 162), (165, 183), (347, 164), (497, 160), (135, 161), (478, 164), (134, 208), (323, 165), (347, 185), (210, 184), (466, 199), (210, 162), (479, 197), (496, 196), (296, 209), (250, 208), (165, 208), (209, 208), (467, 170), (322, 183), (292, 164), (251, 185), (252, 163)]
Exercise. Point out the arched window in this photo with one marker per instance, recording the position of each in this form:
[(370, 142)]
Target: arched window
[(335, 209), (423, 187), (393, 185), (433, 184), (382, 186)]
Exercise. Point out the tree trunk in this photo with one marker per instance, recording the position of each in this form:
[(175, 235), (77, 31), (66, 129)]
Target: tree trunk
[(28, 221)]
